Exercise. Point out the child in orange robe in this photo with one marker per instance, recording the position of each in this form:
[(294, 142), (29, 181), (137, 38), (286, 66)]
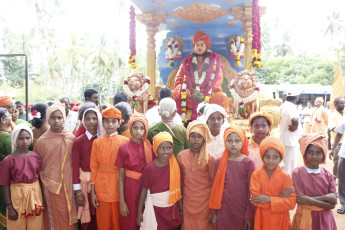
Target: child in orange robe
[(104, 173), (271, 189), (197, 167)]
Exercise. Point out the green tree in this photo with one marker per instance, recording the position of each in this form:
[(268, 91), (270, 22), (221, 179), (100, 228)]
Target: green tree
[(284, 47)]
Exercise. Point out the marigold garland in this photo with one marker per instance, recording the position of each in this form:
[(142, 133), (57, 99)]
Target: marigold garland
[(198, 86), (235, 51), (132, 41)]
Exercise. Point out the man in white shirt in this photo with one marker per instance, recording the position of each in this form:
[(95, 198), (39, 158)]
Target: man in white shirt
[(71, 116), (290, 131), (340, 130), (152, 114)]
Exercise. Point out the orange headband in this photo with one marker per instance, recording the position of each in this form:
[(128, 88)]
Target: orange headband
[(272, 143), (261, 114)]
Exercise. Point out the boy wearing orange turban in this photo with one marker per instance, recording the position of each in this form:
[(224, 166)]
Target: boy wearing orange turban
[(161, 188), (104, 173), (315, 187), (229, 199), (197, 167), (271, 189)]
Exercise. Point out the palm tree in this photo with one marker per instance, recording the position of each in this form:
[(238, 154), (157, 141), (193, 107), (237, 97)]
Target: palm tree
[(284, 48), (335, 25)]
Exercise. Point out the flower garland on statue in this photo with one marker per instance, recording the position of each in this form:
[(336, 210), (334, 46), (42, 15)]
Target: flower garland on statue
[(243, 100), (199, 87), (133, 96), (256, 31), (132, 46), (235, 51)]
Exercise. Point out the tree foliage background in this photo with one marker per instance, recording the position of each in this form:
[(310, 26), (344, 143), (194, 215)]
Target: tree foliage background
[(63, 67), (283, 63)]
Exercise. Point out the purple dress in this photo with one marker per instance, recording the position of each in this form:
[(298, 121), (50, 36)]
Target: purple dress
[(319, 184), (236, 206)]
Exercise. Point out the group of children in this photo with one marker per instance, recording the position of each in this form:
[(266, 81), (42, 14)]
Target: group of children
[(123, 183)]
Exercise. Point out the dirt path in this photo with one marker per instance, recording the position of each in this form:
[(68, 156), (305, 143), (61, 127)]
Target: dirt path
[(339, 219)]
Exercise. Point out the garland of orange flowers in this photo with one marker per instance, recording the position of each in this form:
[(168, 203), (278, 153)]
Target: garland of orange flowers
[(256, 31), (132, 46)]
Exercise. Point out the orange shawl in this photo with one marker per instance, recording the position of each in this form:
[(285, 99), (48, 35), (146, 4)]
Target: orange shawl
[(318, 140), (175, 175), (215, 201), (146, 143), (55, 150)]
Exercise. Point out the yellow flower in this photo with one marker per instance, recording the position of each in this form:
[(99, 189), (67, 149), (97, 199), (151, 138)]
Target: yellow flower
[(214, 68), (207, 98), (242, 39), (183, 95), (184, 109), (133, 65), (238, 63)]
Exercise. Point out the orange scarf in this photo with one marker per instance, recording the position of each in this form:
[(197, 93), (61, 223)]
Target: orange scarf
[(215, 201), (175, 175), (202, 128), (318, 140), (303, 219), (146, 143)]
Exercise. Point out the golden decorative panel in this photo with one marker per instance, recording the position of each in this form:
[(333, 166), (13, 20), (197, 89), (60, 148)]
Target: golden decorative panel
[(199, 13), (174, 25), (232, 23)]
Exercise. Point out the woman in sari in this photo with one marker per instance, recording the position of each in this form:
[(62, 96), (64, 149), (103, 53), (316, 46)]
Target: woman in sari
[(167, 111)]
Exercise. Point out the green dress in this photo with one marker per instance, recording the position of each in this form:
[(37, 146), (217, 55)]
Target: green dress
[(5, 149), (178, 133)]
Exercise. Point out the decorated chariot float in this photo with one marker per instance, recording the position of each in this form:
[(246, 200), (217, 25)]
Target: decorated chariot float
[(210, 54)]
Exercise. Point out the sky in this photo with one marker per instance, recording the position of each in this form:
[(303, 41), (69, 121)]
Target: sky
[(303, 18)]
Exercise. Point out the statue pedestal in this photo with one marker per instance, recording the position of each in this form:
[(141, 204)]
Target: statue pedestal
[(242, 123)]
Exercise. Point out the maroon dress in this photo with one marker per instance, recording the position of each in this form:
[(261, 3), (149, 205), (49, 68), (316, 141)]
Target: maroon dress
[(131, 156), (157, 180), (312, 184), (20, 169), (81, 159), (236, 206)]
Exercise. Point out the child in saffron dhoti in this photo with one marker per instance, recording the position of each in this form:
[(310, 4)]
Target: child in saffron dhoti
[(197, 168), (19, 177), (315, 187), (161, 187), (271, 189), (229, 201), (131, 159), (104, 173)]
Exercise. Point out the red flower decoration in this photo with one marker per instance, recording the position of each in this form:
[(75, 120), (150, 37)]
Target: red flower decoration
[(125, 82), (34, 112)]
